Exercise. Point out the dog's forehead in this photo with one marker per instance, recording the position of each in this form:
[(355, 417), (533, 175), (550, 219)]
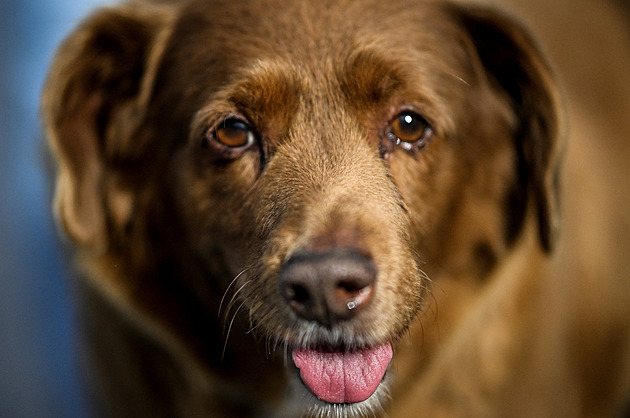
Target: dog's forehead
[(289, 20), (317, 35)]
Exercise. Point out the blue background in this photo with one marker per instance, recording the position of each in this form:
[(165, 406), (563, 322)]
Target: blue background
[(38, 372)]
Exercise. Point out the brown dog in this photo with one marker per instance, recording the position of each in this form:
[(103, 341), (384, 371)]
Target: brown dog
[(332, 208)]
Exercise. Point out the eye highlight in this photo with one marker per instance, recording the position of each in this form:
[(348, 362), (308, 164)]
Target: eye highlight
[(233, 133), (409, 130)]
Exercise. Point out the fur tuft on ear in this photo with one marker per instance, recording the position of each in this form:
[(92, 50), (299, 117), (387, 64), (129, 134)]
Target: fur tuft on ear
[(93, 100), (517, 67)]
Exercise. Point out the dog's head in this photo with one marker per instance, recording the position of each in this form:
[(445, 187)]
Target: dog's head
[(313, 161)]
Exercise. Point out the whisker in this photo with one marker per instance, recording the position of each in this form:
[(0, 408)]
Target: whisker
[(268, 346), (228, 289), (460, 79), (227, 336), (253, 328), (233, 300)]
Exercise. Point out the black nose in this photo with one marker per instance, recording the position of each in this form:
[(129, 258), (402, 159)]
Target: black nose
[(328, 287)]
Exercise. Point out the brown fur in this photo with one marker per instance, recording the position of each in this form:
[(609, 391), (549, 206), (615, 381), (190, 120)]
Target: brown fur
[(180, 242)]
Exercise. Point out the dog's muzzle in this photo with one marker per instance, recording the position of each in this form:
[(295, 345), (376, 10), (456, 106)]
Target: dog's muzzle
[(329, 288)]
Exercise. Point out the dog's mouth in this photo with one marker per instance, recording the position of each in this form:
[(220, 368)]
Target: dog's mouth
[(343, 377)]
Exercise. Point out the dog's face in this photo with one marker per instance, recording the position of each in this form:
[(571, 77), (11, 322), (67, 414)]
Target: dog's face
[(307, 164)]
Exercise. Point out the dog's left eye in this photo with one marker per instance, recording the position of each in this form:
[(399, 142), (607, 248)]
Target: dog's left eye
[(409, 130), (233, 133)]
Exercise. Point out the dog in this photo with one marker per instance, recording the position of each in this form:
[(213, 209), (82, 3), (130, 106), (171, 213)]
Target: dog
[(340, 208)]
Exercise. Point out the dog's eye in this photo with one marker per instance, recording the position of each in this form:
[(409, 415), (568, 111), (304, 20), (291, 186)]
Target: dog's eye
[(410, 131), (233, 133)]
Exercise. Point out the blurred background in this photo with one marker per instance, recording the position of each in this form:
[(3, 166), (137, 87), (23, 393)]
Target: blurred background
[(38, 372), (38, 368)]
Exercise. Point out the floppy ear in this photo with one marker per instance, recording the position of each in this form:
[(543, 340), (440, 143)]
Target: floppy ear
[(516, 66), (93, 100)]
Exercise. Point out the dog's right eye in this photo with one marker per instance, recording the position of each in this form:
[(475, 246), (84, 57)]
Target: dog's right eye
[(233, 133)]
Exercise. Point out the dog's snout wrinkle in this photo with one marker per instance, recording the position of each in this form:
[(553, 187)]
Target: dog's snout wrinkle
[(328, 287)]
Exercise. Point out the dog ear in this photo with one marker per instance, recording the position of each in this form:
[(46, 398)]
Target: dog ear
[(516, 66), (92, 102)]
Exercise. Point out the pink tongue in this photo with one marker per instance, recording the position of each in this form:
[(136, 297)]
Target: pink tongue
[(348, 377)]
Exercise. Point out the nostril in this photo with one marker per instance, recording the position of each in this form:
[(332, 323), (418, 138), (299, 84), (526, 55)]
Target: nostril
[(353, 293), (299, 294), (353, 286), (300, 299), (298, 287)]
